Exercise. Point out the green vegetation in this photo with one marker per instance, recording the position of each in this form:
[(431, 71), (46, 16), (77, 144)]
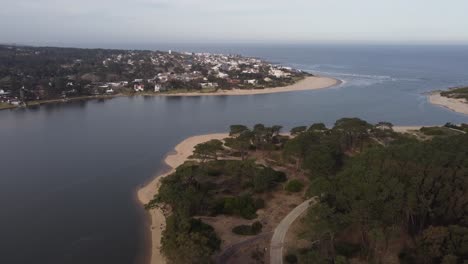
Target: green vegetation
[(294, 186), (243, 206), (187, 240), (208, 150), (411, 191), (318, 127), (209, 188), (291, 259), (248, 230), (5, 106), (298, 130), (381, 195), (462, 127), (461, 93), (438, 131)]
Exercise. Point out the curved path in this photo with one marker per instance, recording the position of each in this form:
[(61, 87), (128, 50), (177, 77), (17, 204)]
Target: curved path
[(277, 241)]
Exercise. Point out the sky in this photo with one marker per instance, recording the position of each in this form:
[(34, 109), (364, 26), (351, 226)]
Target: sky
[(239, 21)]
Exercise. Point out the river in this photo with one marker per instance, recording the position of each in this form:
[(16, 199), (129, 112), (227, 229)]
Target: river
[(69, 171)]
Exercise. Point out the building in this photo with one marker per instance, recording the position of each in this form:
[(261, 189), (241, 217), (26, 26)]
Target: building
[(223, 75), (279, 73), (157, 88), (208, 85), (139, 87), (234, 81)]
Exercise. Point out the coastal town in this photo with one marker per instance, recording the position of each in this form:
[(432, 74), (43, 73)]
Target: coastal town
[(29, 74)]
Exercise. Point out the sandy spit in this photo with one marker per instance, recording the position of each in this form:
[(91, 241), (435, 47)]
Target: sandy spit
[(158, 222), (308, 83), (406, 129), (457, 105)]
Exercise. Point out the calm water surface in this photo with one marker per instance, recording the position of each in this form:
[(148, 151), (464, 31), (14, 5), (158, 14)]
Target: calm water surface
[(68, 173)]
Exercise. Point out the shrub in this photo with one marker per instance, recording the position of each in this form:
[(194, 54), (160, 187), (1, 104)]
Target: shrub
[(294, 186), (291, 259), (431, 131), (298, 130), (243, 206), (347, 249), (266, 178), (247, 230)]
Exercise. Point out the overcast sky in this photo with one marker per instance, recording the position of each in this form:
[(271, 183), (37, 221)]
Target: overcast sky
[(271, 21)]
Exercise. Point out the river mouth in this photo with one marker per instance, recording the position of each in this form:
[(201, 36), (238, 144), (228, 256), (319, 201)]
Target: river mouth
[(70, 171)]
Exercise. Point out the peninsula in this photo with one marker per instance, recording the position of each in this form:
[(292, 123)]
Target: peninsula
[(78, 74), (455, 99), (245, 196)]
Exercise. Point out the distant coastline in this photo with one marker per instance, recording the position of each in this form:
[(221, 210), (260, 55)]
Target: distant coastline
[(308, 83), (458, 105)]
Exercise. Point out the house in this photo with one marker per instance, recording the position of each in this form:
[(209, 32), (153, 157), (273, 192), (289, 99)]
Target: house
[(279, 73), (139, 87), (15, 102), (253, 81), (234, 81), (110, 91), (157, 88), (223, 75), (208, 85)]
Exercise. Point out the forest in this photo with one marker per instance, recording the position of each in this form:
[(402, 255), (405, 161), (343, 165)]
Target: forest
[(382, 196)]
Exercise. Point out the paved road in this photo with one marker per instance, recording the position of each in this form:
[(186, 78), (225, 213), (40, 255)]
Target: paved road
[(277, 241)]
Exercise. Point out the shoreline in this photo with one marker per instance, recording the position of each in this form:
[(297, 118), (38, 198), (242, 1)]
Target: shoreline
[(173, 159), (308, 83), (453, 104)]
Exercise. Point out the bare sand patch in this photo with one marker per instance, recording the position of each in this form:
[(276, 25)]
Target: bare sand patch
[(308, 83), (454, 104)]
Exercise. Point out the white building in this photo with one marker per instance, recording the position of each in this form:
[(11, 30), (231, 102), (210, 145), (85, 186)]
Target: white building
[(279, 73), (109, 91), (139, 87), (223, 75), (253, 81), (157, 88), (208, 85)]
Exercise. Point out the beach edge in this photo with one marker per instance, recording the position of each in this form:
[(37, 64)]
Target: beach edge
[(145, 194)]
